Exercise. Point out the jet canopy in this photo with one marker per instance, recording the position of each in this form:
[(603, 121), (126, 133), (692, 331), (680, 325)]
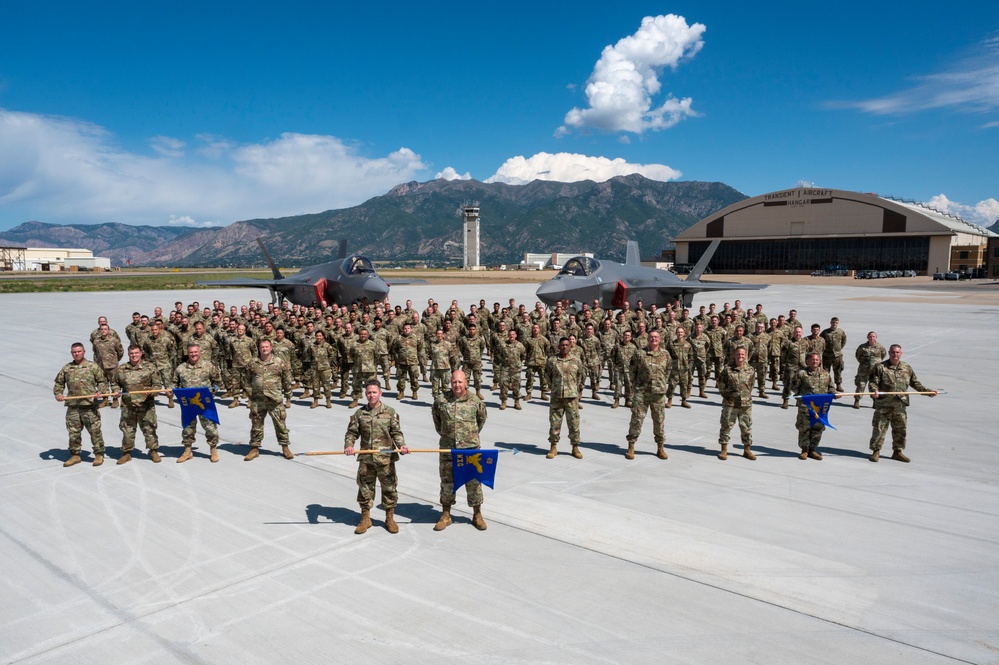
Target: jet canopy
[(580, 266), (359, 265)]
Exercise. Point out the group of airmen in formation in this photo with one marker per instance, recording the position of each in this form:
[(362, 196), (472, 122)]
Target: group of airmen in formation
[(263, 353)]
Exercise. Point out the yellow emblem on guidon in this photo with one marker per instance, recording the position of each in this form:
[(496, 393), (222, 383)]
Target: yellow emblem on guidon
[(476, 461), (196, 401)]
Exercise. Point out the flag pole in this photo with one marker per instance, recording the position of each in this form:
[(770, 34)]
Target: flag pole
[(130, 392), (913, 392), (412, 450)]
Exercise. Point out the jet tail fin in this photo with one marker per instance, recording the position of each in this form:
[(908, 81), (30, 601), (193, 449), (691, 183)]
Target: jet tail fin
[(633, 257), (270, 262), (342, 252), (702, 265)]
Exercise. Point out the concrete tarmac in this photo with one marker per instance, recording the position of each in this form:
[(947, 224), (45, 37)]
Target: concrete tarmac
[(599, 560)]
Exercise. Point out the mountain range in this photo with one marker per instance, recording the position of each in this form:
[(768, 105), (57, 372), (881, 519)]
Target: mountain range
[(419, 223)]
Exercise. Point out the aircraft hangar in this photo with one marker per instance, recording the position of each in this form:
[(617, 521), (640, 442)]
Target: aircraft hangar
[(805, 229)]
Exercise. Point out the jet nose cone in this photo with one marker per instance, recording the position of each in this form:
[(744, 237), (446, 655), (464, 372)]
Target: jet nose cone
[(375, 289), (551, 292)]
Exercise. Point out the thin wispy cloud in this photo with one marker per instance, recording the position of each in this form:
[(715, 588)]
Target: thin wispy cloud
[(569, 167), (971, 85), (64, 170), (626, 79)]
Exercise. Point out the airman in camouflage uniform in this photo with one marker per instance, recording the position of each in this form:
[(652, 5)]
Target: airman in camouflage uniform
[(565, 374), (868, 354), (443, 361), (681, 374), (716, 348), (892, 375), (592, 358), (471, 346), (78, 378), (270, 384), (196, 372), (812, 380), (107, 353), (377, 426), (700, 342), (537, 349), (624, 384), (792, 360), (759, 356), (510, 358), (650, 370), (736, 388), (244, 353), (364, 359), (832, 356), (323, 358), (458, 418), (407, 348), (138, 408)]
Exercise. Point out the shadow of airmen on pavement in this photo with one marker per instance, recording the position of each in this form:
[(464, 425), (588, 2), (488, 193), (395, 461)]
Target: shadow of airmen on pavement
[(843, 452), (62, 454), (526, 448), (337, 514), (243, 449)]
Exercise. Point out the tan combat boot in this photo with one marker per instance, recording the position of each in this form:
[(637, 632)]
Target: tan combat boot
[(856, 402), (215, 454), (898, 455), (617, 403), (234, 403), (763, 394), (98, 459), (575, 451), (353, 403), (631, 451), (594, 394), (155, 456), (72, 461), (306, 394), (773, 386), (784, 404), (661, 451), (703, 395), (747, 453), (390, 524), (115, 403), (445, 520), (186, 455), (252, 455), (669, 402), (329, 403), (803, 454), (286, 451), (544, 395), (502, 404), (814, 454), (125, 458), (170, 402), (365, 522), (875, 455), (723, 455), (529, 396), (683, 402), (414, 395), (477, 520), (516, 403), (287, 402), (552, 452), (478, 393), (315, 403)]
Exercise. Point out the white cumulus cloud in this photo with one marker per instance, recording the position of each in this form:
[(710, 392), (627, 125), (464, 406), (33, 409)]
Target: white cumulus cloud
[(984, 213), (450, 174), (64, 170), (569, 167), (625, 79)]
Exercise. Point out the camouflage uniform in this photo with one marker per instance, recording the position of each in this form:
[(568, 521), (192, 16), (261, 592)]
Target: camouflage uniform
[(832, 356), (564, 375), (443, 360), (203, 373), (700, 360), (364, 360), (270, 384), (107, 353), (244, 354), (803, 383), (793, 360), (510, 358), (716, 350), (161, 351), (471, 348), (407, 350), (682, 372), (736, 388), (623, 355), (867, 357), (650, 371), (537, 350), (890, 409), (322, 358), (592, 360), (377, 428), (458, 422), (758, 357), (86, 378), (138, 410)]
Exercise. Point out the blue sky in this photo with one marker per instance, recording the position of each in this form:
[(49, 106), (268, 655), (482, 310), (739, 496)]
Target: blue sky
[(209, 113)]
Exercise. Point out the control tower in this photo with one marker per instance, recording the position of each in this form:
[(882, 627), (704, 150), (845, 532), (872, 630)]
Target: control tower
[(470, 216)]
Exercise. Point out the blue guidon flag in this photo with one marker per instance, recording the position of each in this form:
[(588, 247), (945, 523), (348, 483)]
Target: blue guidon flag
[(196, 402), (473, 464), (818, 409)]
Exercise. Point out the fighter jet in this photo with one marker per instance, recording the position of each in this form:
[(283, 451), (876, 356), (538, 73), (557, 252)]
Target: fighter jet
[(584, 279), (346, 280)]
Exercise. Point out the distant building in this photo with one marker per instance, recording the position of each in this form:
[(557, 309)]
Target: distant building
[(51, 259), (805, 229), (470, 215)]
